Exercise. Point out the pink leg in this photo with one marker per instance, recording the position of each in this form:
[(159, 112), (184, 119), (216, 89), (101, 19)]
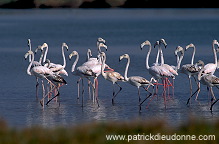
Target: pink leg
[(96, 91)]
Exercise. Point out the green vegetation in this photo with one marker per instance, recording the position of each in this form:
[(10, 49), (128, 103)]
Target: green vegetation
[(96, 132)]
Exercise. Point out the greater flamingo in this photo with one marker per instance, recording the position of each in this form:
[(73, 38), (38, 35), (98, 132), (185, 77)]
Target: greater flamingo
[(210, 68), (168, 67), (42, 72), (191, 70), (112, 76), (82, 71), (136, 81), (35, 63), (156, 71), (207, 79), (95, 65)]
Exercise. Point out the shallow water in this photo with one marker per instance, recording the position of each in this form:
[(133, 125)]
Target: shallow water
[(124, 30)]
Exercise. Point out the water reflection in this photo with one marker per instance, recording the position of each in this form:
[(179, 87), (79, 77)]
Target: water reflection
[(52, 115)]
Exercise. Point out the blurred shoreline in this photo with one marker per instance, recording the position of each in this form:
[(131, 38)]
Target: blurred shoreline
[(26, 4), (97, 132)]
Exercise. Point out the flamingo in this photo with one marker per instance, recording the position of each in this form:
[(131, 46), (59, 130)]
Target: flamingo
[(82, 71), (211, 67), (42, 72), (191, 70), (35, 63), (136, 81), (95, 65), (168, 67), (156, 71), (111, 76), (207, 79)]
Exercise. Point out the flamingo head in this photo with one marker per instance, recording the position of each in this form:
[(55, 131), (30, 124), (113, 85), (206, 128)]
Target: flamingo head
[(190, 45), (65, 45), (147, 42), (27, 54), (73, 54), (123, 56)]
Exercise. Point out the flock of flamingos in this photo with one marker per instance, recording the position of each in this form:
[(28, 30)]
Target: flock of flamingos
[(93, 67)]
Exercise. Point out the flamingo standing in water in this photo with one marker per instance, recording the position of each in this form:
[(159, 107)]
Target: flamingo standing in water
[(92, 61), (35, 63), (82, 71), (207, 79), (191, 70), (156, 71), (95, 65), (209, 68), (56, 68), (111, 76), (136, 81), (42, 72), (168, 67)]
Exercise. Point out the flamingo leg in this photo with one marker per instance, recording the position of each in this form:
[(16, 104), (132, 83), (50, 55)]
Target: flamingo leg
[(89, 92), (114, 95), (78, 83), (139, 99), (52, 98), (173, 88), (56, 95), (82, 99), (168, 84), (37, 84), (164, 90), (190, 83), (96, 91), (213, 104), (93, 88), (212, 94), (146, 89), (192, 95), (198, 85), (43, 90), (51, 90)]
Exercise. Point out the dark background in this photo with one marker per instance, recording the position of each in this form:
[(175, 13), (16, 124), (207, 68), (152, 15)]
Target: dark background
[(23, 4)]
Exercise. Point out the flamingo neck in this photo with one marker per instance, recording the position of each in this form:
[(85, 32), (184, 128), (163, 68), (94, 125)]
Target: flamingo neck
[(45, 54), (29, 67), (157, 58), (88, 55), (103, 66), (180, 60), (193, 55), (147, 57), (63, 55), (41, 57), (75, 62), (126, 69), (215, 54), (161, 55), (30, 48)]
